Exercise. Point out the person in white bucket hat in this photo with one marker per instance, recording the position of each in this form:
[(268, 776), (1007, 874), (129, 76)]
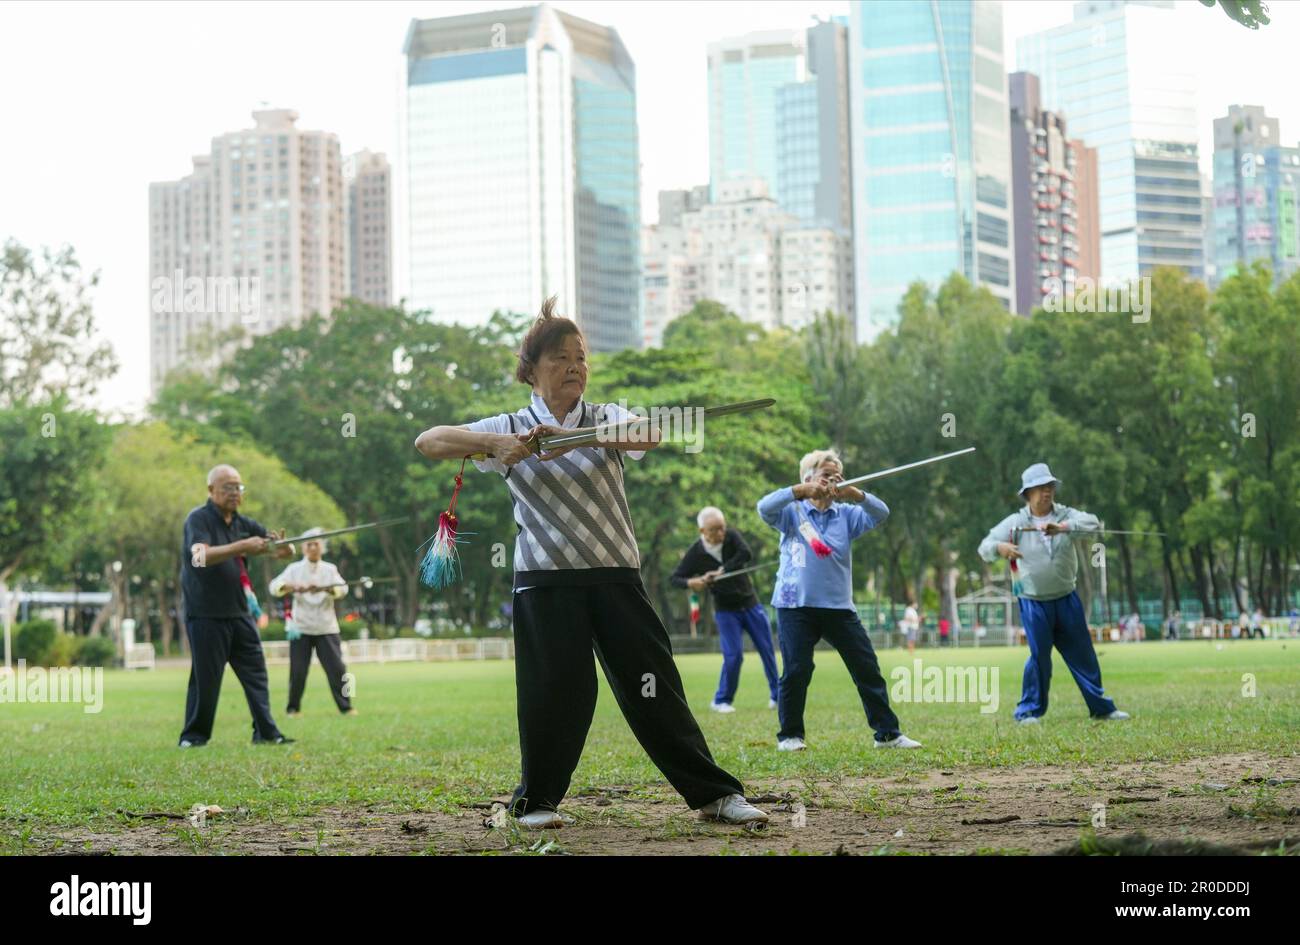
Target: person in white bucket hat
[(1036, 540)]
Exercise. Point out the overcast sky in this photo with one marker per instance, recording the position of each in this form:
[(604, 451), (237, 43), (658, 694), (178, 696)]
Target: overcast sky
[(104, 97)]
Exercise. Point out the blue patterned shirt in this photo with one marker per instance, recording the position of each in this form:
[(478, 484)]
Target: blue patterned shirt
[(805, 580)]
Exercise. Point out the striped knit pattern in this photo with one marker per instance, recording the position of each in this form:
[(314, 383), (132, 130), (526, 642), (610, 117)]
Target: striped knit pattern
[(571, 511)]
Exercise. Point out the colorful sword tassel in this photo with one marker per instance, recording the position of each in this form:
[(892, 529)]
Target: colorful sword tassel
[(1016, 584), (291, 631), (441, 564), (249, 596), (819, 547)]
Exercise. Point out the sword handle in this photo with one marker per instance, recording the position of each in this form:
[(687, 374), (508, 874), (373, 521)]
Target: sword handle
[(534, 446)]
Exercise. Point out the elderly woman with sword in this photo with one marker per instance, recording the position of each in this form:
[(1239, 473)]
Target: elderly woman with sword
[(813, 596), (1036, 542), (577, 582)]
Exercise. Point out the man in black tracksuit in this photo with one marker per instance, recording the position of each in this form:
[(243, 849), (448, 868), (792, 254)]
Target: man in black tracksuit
[(720, 550), (218, 620)]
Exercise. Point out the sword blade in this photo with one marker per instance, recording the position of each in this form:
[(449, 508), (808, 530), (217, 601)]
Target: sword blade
[(341, 531), (754, 567), (869, 477), (584, 435)]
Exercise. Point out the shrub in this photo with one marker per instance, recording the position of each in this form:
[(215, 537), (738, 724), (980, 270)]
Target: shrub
[(96, 651), (63, 652), (34, 640)]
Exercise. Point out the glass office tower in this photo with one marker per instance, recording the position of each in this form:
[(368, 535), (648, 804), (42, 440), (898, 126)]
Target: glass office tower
[(1131, 94), (931, 154), (523, 170)]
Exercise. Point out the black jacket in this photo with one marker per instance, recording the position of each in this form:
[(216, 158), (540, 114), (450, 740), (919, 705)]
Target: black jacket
[(732, 594)]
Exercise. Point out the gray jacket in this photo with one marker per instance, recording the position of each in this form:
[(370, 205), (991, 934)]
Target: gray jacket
[(1045, 574)]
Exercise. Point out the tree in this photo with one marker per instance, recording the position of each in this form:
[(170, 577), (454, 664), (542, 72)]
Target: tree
[(50, 452), (46, 327), (1251, 14), (341, 401), (152, 478)]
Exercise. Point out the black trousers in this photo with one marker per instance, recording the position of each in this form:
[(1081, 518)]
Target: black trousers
[(330, 653), (799, 629), (214, 643), (556, 629)]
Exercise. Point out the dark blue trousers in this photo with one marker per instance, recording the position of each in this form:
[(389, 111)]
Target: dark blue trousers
[(732, 627), (214, 643), (1059, 623), (800, 628)]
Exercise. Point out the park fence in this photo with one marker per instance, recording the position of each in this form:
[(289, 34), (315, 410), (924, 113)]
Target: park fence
[(405, 650)]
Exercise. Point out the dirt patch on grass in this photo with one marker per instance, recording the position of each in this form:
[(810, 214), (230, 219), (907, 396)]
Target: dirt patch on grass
[(1245, 803)]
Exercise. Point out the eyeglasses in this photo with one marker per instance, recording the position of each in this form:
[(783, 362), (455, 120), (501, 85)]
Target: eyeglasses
[(229, 489)]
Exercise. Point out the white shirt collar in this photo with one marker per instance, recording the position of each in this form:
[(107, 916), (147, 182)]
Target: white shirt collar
[(544, 412)]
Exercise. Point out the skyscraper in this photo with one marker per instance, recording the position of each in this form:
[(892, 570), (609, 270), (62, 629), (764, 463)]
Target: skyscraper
[(369, 227), (746, 74), (522, 170), (931, 160), (1054, 200), (1256, 190), (813, 171), (1130, 93), (265, 206), (673, 203), (747, 253)]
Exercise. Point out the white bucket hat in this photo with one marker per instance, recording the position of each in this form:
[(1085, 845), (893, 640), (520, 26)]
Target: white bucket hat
[(1036, 475)]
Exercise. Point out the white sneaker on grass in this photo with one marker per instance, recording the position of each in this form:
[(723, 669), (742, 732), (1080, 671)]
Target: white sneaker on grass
[(544, 820), (790, 744), (723, 707), (902, 741), (732, 809), (1029, 720), (1116, 716)]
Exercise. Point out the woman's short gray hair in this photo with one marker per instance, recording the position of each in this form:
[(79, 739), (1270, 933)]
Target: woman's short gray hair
[(811, 462)]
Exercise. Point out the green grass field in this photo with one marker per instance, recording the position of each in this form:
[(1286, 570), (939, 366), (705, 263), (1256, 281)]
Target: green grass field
[(441, 736)]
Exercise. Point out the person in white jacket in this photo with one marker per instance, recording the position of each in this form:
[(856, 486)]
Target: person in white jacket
[(310, 623)]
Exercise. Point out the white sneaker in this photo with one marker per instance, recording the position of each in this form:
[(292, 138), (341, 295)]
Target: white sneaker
[(543, 820), (1029, 720), (1116, 716), (723, 707), (902, 741), (790, 744), (732, 809), (771, 703)]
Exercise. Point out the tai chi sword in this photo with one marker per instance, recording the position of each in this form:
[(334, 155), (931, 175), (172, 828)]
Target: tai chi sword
[(752, 567), (869, 477), (337, 531), (904, 468), (583, 436)]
